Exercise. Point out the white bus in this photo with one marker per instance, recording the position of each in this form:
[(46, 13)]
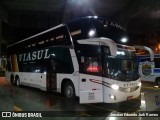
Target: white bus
[(149, 67), (85, 58)]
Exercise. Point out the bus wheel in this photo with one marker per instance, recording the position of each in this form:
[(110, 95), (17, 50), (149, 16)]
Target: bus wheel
[(69, 91), (17, 81)]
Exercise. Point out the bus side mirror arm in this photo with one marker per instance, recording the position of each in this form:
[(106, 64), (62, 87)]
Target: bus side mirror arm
[(111, 44), (101, 41), (146, 48)]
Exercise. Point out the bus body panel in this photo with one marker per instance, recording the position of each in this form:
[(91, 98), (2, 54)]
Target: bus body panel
[(33, 80), (151, 78), (146, 71), (126, 91), (146, 68), (37, 80), (148, 78), (149, 70), (91, 90), (42, 81)]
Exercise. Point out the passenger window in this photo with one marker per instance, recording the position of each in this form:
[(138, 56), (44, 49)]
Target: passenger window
[(82, 29), (35, 68), (26, 67), (90, 65), (60, 36)]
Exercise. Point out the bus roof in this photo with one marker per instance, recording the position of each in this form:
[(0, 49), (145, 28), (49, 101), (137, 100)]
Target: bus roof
[(88, 17), (97, 17), (82, 18), (36, 35)]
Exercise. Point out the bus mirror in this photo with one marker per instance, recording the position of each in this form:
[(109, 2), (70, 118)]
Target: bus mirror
[(147, 49)]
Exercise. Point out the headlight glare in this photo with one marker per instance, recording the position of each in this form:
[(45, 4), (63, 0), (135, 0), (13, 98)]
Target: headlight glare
[(115, 87)]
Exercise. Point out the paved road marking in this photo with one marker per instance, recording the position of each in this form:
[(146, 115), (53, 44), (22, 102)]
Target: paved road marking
[(138, 109), (54, 106), (154, 88), (16, 109)]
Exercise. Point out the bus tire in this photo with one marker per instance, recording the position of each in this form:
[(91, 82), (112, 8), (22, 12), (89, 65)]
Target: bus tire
[(17, 81), (158, 81), (69, 90)]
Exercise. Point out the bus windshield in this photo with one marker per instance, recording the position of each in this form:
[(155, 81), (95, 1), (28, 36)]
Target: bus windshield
[(123, 67)]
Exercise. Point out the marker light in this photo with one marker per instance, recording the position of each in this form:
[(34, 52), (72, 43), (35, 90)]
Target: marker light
[(93, 69), (91, 33), (120, 53), (124, 40), (112, 96), (95, 17), (115, 87), (53, 54), (140, 84)]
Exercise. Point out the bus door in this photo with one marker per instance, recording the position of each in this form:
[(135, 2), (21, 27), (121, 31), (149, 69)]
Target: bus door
[(51, 76), (91, 90)]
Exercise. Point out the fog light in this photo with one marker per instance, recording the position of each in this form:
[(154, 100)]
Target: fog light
[(113, 97)]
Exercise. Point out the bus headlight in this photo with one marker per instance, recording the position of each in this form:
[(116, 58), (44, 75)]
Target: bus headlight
[(140, 84), (115, 87)]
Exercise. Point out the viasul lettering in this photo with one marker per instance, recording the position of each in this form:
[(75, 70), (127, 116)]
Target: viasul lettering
[(35, 55)]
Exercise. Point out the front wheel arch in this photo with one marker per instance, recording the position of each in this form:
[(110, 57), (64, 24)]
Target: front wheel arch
[(68, 89)]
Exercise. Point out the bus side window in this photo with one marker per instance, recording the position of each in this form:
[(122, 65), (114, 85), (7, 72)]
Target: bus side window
[(90, 65), (35, 67), (75, 30), (26, 67), (60, 36), (82, 29), (76, 36)]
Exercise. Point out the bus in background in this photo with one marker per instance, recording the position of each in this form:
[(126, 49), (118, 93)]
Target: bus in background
[(149, 65), (86, 57)]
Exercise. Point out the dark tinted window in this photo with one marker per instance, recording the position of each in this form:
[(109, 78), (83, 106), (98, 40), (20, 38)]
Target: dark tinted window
[(82, 29), (90, 64), (60, 36)]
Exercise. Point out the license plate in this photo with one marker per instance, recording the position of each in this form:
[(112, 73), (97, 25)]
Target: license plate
[(129, 97)]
